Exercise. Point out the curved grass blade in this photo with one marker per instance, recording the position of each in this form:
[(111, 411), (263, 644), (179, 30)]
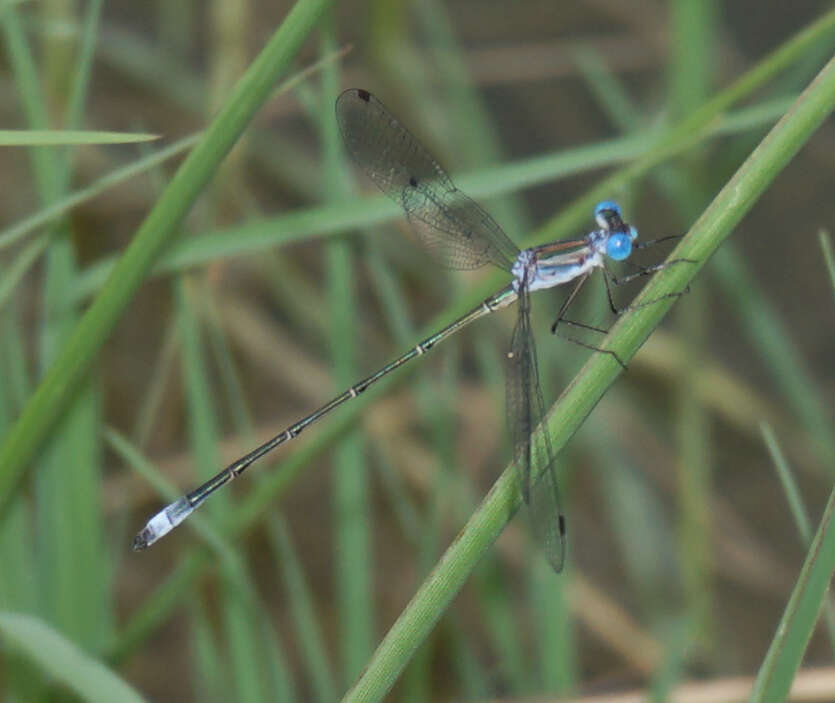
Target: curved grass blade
[(63, 660)]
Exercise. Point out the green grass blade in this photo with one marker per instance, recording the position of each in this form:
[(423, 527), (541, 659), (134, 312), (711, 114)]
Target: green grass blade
[(64, 204), (22, 262), (311, 641), (353, 560), (607, 90), (801, 518), (695, 476), (279, 671), (18, 582), (236, 605), (200, 411), (585, 391), (475, 682), (209, 669), (157, 608), (761, 322), (558, 661), (828, 255), (242, 643), (149, 411), (696, 42), (233, 396), (798, 622), (19, 587), (29, 86), (62, 660), (68, 137), (64, 377), (472, 132), (798, 509), (502, 626), (71, 563), (696, 37), (73, 566), (81, 77)]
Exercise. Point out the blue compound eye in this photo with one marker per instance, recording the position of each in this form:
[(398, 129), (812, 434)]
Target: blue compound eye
[(619, 246), (607, 205)]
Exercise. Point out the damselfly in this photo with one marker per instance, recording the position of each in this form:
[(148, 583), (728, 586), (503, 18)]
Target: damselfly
[(465, 237)]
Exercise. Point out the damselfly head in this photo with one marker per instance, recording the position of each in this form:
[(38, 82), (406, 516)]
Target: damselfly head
[(618, 235)]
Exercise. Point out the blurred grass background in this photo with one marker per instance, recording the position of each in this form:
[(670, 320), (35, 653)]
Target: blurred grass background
[(284, 287)]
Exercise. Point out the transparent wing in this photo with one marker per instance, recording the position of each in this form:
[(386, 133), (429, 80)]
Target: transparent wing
[(455, 227), (525, 410)]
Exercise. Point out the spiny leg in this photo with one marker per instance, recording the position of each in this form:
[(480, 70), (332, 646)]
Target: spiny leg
[(590, 347), (653, 242), (642, 271), (567, 302), (619, 311), (561, 319), (581, 325), (646, 270)]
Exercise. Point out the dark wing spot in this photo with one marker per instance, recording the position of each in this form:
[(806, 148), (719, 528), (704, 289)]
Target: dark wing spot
[(413, 181), (562, 525), (363, 95)]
